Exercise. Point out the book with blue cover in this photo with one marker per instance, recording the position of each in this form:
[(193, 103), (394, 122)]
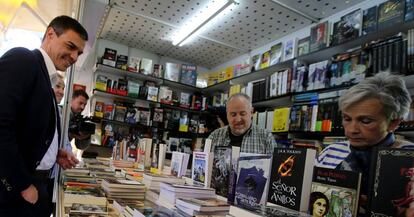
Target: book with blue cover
[(253, 179), (188, 74)]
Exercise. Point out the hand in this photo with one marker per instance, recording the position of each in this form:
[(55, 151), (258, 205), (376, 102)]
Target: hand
[(66, 159), (30, 194)]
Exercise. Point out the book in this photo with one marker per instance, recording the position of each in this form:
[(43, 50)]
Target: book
[(390, 13), (256, 60), (133, 89), (203, 205), (101, 82), (184, 122), (173, 144), (99, 109), (276, 53), (291, 178), (109, 57), (348, 28), (253, 180), (281, 119), (145, 117), (122, 62), (172, 71), (165, 95), (303, 46), (369, 20), (391, 182), (201, 170), (133, 65), (111, 86), (157, 72), (158, 115), (265, 60), (270, 211), (132, 115), (152, 94), (120, 112), (179, 162), (146, 66), (109, 111), (290, 49), (339, 187), (221, 170), (319, 36), (188, 74), (185, 100), (122, 87)]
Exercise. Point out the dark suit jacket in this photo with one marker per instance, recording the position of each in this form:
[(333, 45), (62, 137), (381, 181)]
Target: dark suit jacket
[(27, 119)]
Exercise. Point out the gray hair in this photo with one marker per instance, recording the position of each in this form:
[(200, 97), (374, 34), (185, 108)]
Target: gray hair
[(389, 89), (55, 78), (240, 96)]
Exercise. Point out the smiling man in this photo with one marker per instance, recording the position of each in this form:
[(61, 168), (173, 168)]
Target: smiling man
[(240, 131), (29, 118)]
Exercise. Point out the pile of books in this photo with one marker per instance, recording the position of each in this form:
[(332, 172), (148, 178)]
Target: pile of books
[(152, 181), (207, 207), (170, 192), (123, 189)]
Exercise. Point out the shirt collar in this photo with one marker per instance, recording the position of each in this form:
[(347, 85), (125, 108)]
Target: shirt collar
[(51, 69)]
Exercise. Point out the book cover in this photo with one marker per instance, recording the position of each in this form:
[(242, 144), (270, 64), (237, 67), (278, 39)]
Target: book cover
[(390, 13), (183, 127), (193, 125), (393, 175), (188, 74), (185, 100), (122, 62), (158, 116), (109, 57), (108, 111), (133, 89), (201, 171), (133, 65), (234, 167), (99, 109), (120, 112), (172, 71), (265, 60), (256, 60), (165, 95), (145, 66), (347, 28), (291, 178), (157, 71), (281, 119), (303, 46), (132, 115), (290, 49), (253, 180), (334, 192), (173, 144), (221, 170), (143, 92), (122, 87), (144, 117), (276, 53), (152, 94), (101, 82), (111, 86), (369, 20), (319, 36)]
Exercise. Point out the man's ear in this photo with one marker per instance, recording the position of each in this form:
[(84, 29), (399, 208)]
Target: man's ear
[(393, 125), (50, 32)]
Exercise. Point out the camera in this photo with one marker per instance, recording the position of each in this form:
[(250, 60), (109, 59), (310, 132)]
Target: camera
[(80, 124)]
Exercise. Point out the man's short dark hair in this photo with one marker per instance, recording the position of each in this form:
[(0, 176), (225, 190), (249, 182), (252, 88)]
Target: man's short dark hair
[(62, 23), (78, 93)]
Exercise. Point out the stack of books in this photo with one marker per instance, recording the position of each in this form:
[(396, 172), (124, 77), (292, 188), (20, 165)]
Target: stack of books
[(123, 189), (170, 192), (207, 207), (152, 181)]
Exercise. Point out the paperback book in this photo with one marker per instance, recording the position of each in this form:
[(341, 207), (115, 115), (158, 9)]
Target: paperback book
[(188, 74), (201, 171), (172, 71)]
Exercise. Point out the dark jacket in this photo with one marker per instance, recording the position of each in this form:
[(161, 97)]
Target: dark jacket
[(27, 119)]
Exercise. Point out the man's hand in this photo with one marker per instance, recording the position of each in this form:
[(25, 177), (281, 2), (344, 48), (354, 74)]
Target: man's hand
[(66, 159), (30, 194)]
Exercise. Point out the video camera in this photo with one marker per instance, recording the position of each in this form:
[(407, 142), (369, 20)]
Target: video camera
[(80, 124)]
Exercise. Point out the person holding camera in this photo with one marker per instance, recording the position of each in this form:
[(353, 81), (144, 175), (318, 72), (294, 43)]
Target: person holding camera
[(82, 137)]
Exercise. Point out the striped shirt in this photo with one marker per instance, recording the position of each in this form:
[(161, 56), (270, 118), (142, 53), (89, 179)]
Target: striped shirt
[(255, 140)]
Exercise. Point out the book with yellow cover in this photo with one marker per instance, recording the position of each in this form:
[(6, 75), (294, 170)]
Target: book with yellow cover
[(281, 120), (265, 61), (229, 72)]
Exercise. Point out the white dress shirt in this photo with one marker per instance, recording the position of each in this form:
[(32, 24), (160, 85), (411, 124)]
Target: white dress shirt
[(49, 159)]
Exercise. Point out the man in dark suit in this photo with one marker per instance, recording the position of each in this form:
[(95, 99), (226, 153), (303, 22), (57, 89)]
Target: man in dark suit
[(29, 118)]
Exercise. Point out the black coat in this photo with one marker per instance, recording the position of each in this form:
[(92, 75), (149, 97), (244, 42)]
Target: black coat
[(27, 118)]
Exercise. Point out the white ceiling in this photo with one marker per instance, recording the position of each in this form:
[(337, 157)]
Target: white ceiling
[(149, 24)]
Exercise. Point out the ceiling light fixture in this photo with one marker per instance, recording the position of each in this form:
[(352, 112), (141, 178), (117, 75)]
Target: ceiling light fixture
[(190, 28)]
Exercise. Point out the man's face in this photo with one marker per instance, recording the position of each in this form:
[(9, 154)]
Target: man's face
[(64, 49), (59, 89), (239, 115), (78, 104), (365, 123)]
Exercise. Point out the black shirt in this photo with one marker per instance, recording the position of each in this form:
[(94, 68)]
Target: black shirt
[(236, 140)]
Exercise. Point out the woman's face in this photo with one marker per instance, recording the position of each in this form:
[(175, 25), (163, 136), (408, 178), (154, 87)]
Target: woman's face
[(319, 207), (365, 123)]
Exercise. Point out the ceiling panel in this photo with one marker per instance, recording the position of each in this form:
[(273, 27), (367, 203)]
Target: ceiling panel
[(136, 31), (252, 24), (319, 8), (204, 53), (149, 25)]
